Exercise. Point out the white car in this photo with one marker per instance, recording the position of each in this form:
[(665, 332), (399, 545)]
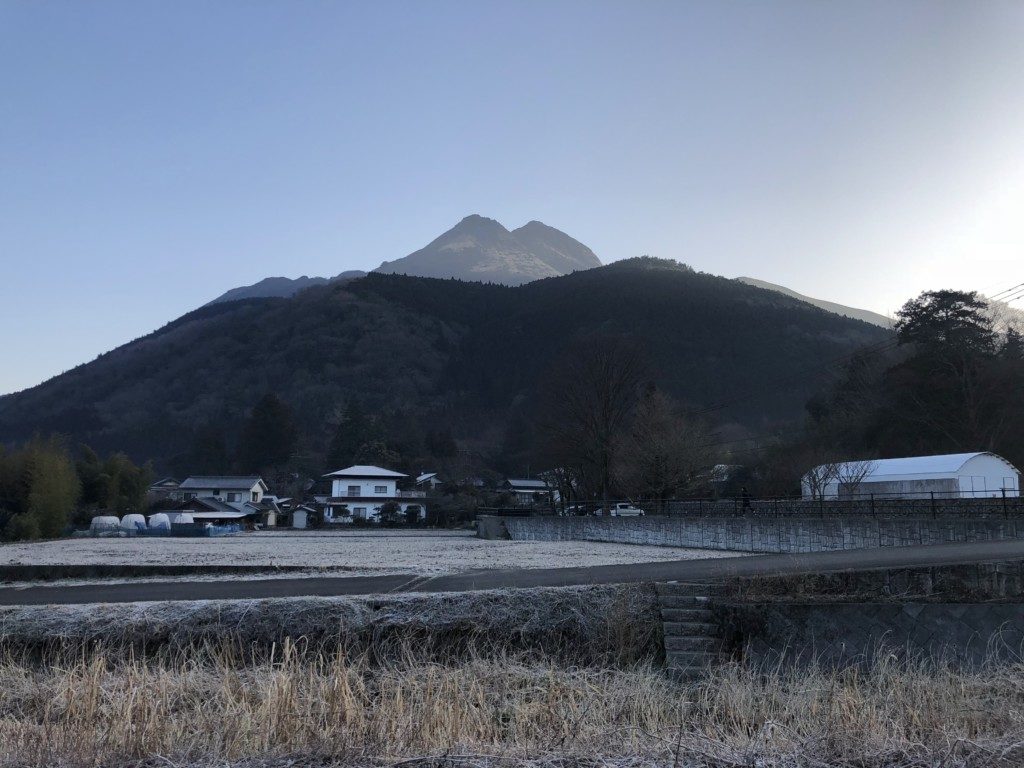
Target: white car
[(622, 509)]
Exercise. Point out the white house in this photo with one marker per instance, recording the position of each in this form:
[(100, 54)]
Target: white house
[(962, 475), (227, 488), (359, 492)]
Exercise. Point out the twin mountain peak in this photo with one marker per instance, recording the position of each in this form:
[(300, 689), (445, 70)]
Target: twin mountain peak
[(482, 250), (477, 248)]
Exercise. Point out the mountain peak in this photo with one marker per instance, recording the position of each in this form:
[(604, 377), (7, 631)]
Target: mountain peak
[(478, 225), (558, 250), (479, 248)]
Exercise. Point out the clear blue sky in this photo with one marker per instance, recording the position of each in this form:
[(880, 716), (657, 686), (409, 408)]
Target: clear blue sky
[(154, 154)]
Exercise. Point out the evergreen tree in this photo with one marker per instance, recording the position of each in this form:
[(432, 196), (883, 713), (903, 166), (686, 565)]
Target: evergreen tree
[(208, 454), (353, 432), (1013, 346), (38, 490), (947, 320), (269, 436)]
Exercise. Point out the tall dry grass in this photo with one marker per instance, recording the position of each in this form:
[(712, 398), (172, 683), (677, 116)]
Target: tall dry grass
[(99, 708)]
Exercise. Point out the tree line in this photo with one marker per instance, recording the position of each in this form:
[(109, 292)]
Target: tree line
[(44, 489), (951, 381)]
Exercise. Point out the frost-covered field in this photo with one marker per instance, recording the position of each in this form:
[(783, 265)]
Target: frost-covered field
[(426, 552)]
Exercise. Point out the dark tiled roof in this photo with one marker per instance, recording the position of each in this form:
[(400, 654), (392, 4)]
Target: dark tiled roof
[(233, 482)]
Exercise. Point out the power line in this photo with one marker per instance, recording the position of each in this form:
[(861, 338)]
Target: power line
[(995, 296), (1008, 299)]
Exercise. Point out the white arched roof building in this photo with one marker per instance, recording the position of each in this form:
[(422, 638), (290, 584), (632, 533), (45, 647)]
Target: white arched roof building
[(964, 475)]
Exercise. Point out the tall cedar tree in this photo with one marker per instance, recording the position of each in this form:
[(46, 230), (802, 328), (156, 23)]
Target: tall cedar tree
[(268, 437), (353, 432)]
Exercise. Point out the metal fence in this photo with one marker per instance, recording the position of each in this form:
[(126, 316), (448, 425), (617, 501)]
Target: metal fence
[(870, 504)]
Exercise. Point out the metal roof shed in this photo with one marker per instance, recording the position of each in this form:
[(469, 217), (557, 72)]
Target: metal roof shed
[(979, 474)]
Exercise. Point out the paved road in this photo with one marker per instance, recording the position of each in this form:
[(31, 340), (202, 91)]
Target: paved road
[(673, 570)]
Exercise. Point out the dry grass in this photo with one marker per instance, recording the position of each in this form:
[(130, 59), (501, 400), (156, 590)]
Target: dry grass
[(609, 624), (311, 709)]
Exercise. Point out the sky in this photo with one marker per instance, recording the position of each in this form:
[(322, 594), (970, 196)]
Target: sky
[(155, 154)]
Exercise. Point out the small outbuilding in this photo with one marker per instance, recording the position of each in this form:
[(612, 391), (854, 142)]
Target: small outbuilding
[(955, 475), (302, 517)]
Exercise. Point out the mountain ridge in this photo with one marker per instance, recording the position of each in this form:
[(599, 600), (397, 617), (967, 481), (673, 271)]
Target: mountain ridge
[(477, 248), (865, 315), (429, 354)]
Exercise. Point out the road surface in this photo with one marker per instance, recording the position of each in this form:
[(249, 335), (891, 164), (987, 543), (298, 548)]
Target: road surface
[(672, 570)]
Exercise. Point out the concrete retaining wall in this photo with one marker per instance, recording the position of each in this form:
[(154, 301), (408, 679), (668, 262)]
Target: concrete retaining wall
[(850, 633), (784, 533), (1001, 581)]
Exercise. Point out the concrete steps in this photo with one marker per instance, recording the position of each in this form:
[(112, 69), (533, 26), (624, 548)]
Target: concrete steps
[(692, 639)]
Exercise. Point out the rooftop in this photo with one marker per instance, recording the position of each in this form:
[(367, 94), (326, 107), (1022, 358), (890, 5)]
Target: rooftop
[(917, 465), (241, 482), (364, 470), (521, 482)]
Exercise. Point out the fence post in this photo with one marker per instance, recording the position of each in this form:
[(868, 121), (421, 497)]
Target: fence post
[(932, 493), (872, 505), (1005, 513)]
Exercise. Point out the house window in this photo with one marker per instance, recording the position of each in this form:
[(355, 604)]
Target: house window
[(232, 497), (380, 489), (353, 490), (359, 512), (255, 496)]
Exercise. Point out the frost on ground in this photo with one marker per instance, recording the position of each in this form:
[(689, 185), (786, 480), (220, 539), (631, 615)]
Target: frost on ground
[(377, 552), (575, 623)]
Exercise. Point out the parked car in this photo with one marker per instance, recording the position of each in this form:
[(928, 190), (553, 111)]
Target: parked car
[(576, 510), (622, 509)]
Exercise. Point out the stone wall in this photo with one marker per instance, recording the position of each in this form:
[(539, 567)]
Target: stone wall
[(1001, 581), (841, 634), (758, 533)]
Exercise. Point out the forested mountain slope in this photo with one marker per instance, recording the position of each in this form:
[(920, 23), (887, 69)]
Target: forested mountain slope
[(433, 352), (829, 306), (281, 287)]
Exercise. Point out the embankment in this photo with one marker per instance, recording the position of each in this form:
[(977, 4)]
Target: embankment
[(614, 623), (960, 614)]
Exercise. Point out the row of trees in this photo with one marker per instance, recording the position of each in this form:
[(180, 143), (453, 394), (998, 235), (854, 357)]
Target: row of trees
[(611, 432), (950, 381), (43, 489), (268, 443)]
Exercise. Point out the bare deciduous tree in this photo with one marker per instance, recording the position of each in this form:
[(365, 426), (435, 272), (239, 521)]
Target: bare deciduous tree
[(589, 400), (664, 450), (850, 474), (818, 478)]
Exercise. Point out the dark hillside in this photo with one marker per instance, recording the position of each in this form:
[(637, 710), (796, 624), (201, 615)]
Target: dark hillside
[(433, 351)]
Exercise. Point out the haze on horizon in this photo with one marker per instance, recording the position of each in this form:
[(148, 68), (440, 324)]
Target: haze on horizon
[(155, 155)]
